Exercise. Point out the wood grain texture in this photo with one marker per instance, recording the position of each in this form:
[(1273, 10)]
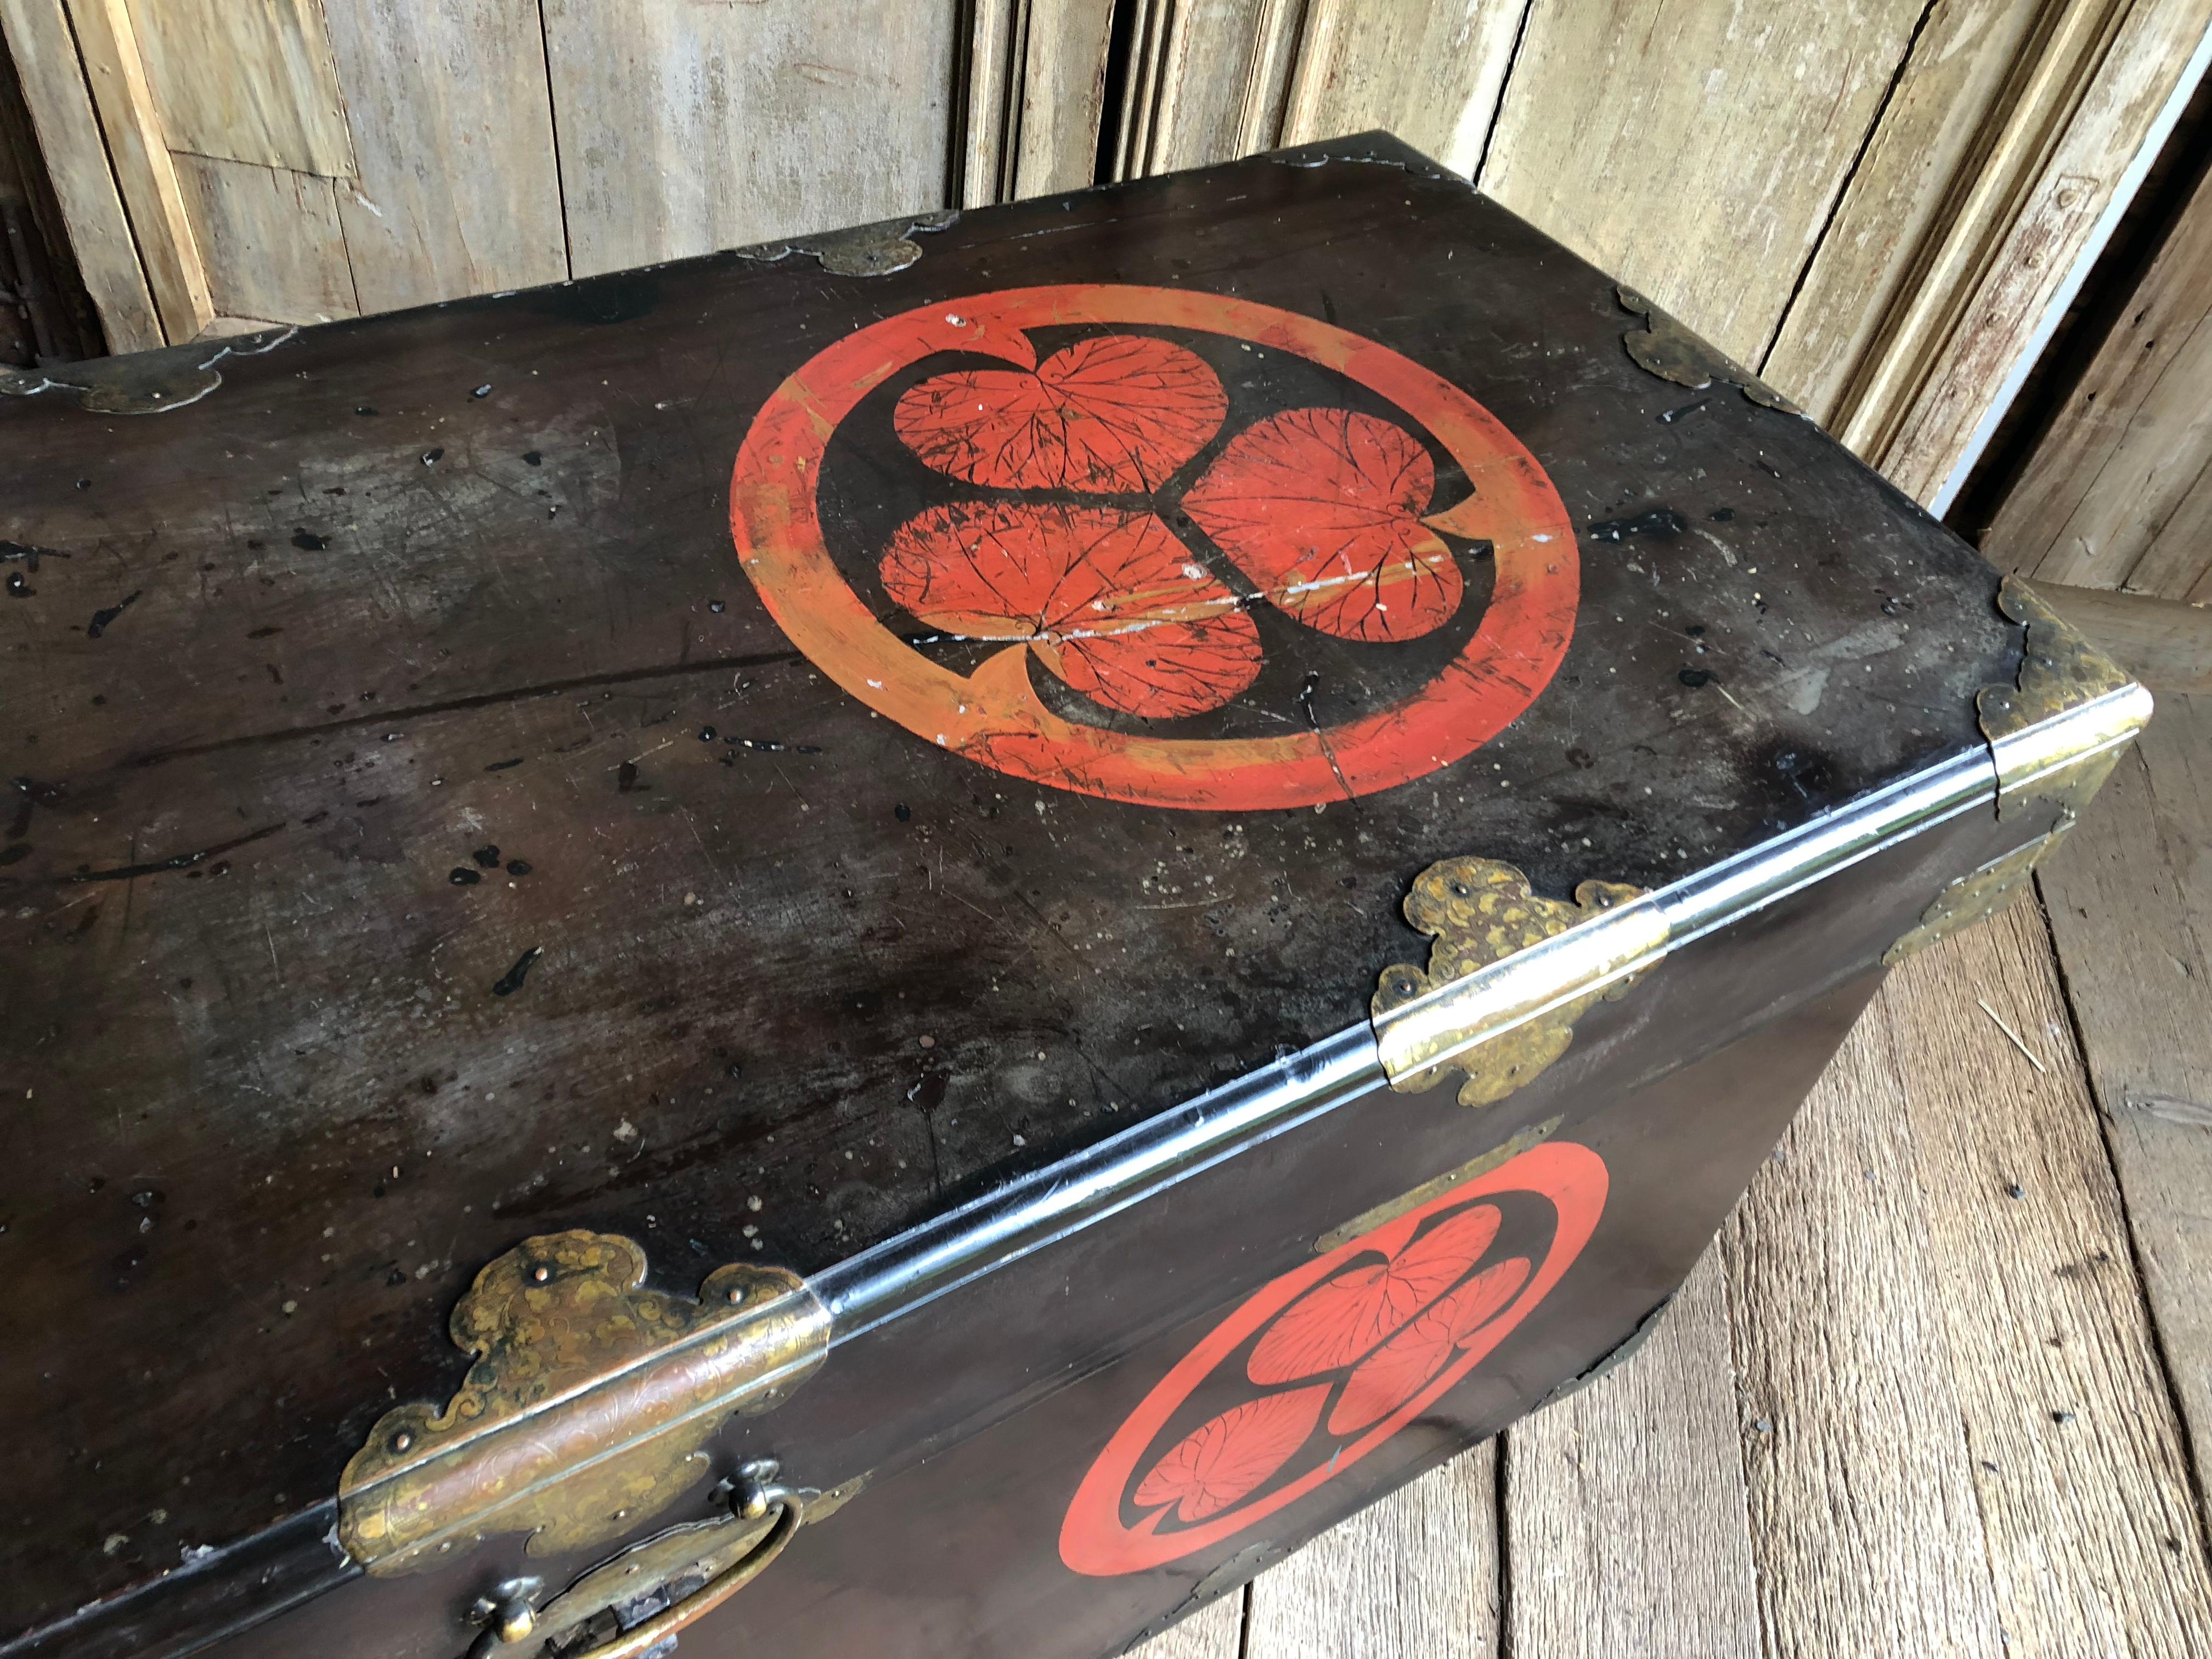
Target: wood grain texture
[(986, 111), (1219, 73), (1416, 1573), (687, 128), (1677, 147), (2130, 904), (274, 245), (143, 170), (2164, 643), (2098, 503), (1216, 1631), (245, 82), (1429, 70), (1624, 1504), (2085, 103), (1062, 47), (1933, 126), (39, 40), (1956, 1425), (453, 134)]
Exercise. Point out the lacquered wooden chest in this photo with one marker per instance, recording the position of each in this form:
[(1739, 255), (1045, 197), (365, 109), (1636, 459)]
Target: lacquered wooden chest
[(959, 926)]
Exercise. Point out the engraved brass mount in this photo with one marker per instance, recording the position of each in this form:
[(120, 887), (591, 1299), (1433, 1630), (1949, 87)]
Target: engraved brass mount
[(1508, 976), (2054, 735), (589, 1406)]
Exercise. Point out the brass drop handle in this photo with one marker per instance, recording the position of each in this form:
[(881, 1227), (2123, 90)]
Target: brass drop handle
[(757, 1493)]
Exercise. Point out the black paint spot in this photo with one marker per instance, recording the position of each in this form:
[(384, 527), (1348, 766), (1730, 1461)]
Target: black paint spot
[(1694, 678), (481, 391), (626, 779), (17, 853), (1695, 630), (929, 1091), (462, 875), (1670, 416), (1581, 759), (501, 766), (264, 632), (29, 555), (601, 300), (432, 457), (706, 734), (1723, 514), (531, 458), (182, 861), (308, 542), (1661, 523), (519, 866), (903, 812), (487, 855), (101, 619), (363, 409), (714, 605), (17, 588), (511, 981)]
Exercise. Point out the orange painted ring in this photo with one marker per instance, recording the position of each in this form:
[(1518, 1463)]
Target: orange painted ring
[(1093, 1539), (994, 717)]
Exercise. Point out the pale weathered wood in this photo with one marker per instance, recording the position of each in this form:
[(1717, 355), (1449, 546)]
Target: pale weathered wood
[(1415, 1574), (1062, 97), (453, 136), (1956, 1425), (986, 112), (38, 38), (1216, 1631), (1624, 1504), (1220, 72), (685, 128), (2164, 643), (1429, 70), (143, 171), (271, 238), (246, 81), (1693, 150), (2088, 102), (1935, 123), (2131, 902), (2096, 500)]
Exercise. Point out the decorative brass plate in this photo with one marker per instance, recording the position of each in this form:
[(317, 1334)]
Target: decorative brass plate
[(2056, 733), (1508, 976), (588, 1409)]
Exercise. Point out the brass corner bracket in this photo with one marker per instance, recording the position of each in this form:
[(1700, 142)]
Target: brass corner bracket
[(589, 1405), (1664, 347), (2054, 738), (1508, 976)]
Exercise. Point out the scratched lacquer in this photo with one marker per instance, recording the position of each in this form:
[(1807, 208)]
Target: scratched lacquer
[(1121, 521)]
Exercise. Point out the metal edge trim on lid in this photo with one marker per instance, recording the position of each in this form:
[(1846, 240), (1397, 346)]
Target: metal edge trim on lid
[(941, 1255)]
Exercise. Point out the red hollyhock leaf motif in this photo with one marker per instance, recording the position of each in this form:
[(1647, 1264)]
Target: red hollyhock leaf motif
[(1221, 1460), (1108, 598), (1321, 508), (1115, 413), (1402, 1367), (1345, 1316)]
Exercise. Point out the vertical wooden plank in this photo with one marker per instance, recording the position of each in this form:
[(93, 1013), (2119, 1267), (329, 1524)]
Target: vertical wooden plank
[(249, 82), (140, 154), (275, 251), (986, 112), (1415, 1574), (2131, 901), (1928, 134), (1959, 1441), (686, 128), (1216, 1631), (44, 53), (1430, 71), (2097, 498), (2090, 101), (452, 135), (1625, 1512), (1224, 68), (1694, 150), (1062, 97)]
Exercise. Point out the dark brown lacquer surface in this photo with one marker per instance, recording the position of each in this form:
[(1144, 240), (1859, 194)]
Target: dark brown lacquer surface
[(424, 831)]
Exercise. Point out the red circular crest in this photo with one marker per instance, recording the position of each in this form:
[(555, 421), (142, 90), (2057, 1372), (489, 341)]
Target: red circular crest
[(1325, 1364), (1123, 517)]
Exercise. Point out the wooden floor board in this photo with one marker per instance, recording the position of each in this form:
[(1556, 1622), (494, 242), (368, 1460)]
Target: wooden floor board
[(2130, 898), (1414, 1575), (1624, 1504)]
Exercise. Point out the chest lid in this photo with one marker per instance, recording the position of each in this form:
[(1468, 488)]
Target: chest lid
[(750, 753)]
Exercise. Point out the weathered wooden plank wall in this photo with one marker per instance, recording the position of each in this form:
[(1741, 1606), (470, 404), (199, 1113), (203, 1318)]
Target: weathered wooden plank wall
[(1883, 208)]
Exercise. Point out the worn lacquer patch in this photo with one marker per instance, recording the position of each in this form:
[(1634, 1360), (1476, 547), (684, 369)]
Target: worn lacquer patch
[(1109, 512)]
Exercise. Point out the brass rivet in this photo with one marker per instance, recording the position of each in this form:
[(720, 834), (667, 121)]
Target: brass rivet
[(516, 1620), (541, 1272), (402, 1440), (737, 1293)]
